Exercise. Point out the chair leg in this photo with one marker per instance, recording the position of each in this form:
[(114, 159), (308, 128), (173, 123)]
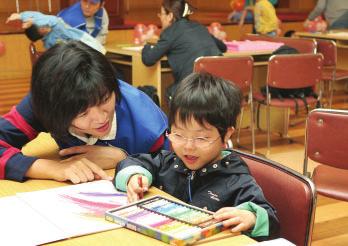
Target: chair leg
[(252, 127), (239, 126), (268, 119), (331, 93)]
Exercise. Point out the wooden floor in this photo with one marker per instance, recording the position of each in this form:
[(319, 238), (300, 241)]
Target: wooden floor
[(331, 218)]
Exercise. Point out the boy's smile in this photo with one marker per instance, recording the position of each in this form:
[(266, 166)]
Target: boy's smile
[(195, 144)]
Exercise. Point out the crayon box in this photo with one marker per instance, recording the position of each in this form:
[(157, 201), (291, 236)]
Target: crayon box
[(170, 221)]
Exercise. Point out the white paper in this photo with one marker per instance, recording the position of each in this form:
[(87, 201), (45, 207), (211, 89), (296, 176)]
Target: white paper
[(21, 225), (275, 242), (38, 217), (133, 48)]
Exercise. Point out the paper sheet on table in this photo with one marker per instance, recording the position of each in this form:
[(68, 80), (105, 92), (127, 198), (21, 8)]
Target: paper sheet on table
[(53, 214), (133, 48)]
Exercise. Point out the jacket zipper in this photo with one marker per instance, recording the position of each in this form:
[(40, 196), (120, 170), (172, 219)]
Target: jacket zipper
[(190, 177)]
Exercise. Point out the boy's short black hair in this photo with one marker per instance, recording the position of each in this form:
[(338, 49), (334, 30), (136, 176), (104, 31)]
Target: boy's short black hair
[(33, 33), (206, 98), (66, 80)]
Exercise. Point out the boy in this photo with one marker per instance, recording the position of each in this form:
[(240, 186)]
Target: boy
[(89, 16), (200, 171), (52, 30)]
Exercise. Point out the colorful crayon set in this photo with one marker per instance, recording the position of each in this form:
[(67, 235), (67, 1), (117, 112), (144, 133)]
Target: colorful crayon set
[(166, 220)]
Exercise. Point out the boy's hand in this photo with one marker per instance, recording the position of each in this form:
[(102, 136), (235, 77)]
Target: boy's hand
[(134, 191), (27, 24), (239, 220)]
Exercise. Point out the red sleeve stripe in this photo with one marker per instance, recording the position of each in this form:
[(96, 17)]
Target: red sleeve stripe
[(158, 144), (4, 158), (19, 122), (4, 144)]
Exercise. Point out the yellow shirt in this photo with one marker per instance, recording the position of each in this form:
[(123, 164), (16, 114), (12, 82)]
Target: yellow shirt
[(265, 17)]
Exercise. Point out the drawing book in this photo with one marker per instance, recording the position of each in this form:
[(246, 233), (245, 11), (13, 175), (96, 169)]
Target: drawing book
[(170, 221), (66, 212)]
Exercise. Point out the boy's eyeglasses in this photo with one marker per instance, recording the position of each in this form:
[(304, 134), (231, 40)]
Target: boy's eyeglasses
[(199, 142)]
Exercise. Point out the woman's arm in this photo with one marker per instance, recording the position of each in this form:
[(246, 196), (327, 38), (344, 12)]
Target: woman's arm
[(153, 53)]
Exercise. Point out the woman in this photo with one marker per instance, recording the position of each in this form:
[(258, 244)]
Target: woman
[(181, 40), (93, 117)]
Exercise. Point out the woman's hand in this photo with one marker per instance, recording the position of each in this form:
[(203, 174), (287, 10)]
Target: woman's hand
[(105, 156), (76, 170), (134, 191), (239, 220)]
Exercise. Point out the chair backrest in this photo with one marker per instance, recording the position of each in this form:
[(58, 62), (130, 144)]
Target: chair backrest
[(239, 70), (294, 71), (303, 45), (329, 50), (34, 54), (292, 194), (327, 137)]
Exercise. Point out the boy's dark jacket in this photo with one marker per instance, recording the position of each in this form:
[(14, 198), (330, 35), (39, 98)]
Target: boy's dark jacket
[(225, 183)]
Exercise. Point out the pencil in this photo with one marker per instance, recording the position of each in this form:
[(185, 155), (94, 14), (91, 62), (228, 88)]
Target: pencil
[(140, 183)]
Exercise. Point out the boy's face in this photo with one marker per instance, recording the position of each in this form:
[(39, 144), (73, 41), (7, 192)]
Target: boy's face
[(90, 7), (95, 121), (197, 145)]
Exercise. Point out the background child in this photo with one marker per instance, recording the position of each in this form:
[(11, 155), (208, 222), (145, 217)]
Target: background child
[(52, 30), (181, 40), (89, 16), (94, 118), (201, 171), (266, 21)]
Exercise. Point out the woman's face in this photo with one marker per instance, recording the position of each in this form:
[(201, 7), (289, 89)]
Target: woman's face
[(166, 19), (95, 121), (89, 7)]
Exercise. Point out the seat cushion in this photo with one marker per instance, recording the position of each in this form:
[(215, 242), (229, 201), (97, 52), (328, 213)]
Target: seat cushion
[(327, 73), (285, 102), (331, 182)]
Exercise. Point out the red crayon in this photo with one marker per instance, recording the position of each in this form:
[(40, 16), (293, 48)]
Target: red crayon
[(140, 183)]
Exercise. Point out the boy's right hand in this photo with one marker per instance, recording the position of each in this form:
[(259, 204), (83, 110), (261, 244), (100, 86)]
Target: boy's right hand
[(134, 191)]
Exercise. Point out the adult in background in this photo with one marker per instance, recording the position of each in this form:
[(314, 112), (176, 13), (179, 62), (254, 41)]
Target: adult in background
[(181, 40), (335, 12), (89, 16)]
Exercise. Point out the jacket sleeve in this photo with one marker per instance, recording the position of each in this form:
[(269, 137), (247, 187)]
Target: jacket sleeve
[(247, 190), (220, 44), (153, 53), (17, 128), (318, 9), (39, 19), (145, 164)]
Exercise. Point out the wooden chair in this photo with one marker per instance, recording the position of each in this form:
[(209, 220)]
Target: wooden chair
[(326, 143), (239, 70), (330, 72), (290, 72), (303, 45), (292, 194), (34, 54)]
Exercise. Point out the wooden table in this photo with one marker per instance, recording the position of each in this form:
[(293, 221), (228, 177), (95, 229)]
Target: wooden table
[(159, 75), (119, 236)]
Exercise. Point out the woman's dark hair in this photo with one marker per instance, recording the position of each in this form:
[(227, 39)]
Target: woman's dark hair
[(66, 80), (33, 33), (177, 7), (206, 98)]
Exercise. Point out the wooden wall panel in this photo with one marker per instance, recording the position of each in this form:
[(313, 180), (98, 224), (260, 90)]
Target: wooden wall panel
[(15, 63)]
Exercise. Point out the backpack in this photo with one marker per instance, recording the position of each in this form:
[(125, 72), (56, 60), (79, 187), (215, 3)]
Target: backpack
[(151, 91), (299, 93)]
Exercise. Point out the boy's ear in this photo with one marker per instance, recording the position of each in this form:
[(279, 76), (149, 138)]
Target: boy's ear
[(228, 134)]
